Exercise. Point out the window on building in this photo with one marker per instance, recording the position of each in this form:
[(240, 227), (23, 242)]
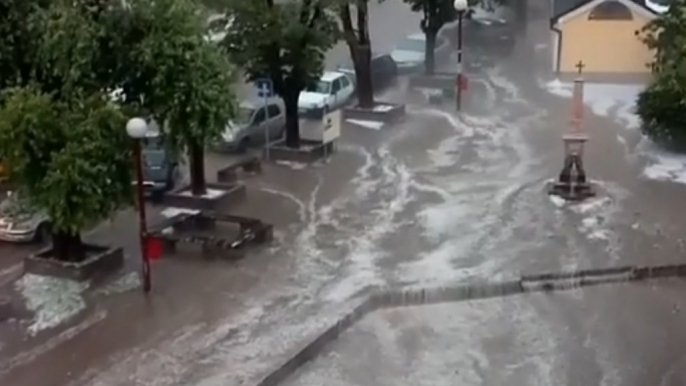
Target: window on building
[(610, 10)]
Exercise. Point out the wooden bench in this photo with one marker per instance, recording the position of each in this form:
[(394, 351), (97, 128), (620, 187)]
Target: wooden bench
[(249, 164)]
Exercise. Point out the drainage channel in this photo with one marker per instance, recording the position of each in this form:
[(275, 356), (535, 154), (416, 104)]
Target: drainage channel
[(399, 297)]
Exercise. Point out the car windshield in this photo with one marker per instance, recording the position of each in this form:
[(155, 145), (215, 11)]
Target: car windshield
[(154, 158), (322, 87), (412, 45), (244, 115)]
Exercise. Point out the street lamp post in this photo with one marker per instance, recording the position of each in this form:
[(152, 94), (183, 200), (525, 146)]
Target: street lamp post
[(460, 7), (137, 128)]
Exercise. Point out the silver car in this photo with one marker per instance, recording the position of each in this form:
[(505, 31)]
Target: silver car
[(19, 224), (256, 123), (410, 52)]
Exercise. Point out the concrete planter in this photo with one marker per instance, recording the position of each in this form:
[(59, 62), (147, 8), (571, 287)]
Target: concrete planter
[(385, 112), (218, 196), (308, 152), (100, 262)]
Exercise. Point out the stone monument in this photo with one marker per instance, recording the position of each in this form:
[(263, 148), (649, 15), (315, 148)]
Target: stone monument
[(572, 183)]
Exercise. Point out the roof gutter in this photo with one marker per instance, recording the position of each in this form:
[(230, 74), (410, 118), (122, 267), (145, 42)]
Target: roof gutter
[(558, 45)]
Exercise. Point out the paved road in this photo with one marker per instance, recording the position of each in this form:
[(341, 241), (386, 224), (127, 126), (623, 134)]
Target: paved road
[(437, 199)]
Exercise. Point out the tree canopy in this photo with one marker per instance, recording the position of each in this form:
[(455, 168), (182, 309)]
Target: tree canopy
[(662, 105), (286, 42), (61, 132)]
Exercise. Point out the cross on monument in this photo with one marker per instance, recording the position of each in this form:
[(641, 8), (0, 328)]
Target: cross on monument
[(580, 66)]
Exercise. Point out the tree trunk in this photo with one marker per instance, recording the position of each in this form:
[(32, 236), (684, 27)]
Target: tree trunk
[(197, 166), (68, 247), (290, 99), (430, 52), (362, 59)]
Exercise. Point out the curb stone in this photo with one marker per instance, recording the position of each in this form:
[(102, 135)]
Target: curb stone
[(399, 297)]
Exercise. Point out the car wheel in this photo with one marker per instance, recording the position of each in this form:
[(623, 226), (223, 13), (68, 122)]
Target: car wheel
[(43, 234), (243, 145)]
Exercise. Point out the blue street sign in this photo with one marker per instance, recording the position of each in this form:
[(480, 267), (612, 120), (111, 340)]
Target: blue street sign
[(264, 88)]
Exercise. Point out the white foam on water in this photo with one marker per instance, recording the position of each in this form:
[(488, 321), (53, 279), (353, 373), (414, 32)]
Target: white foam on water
[(125, 283), (173, 211), (209, 193), (513, 94), (373, 125), (291, 164), (383, 108), (602, 98), (557, 200), (662, 165), (53, 300)]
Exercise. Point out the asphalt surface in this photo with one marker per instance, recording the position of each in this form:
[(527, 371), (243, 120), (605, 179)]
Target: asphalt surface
[(437, 199)]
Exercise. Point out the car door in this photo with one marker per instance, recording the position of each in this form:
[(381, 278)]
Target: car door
[(276, 121), (335, 94), (257, 126), (347, 89)]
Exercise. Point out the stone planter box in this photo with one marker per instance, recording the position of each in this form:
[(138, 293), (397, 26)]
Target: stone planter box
[(100, 262), (308, 152), (385, 112), (218, 196)]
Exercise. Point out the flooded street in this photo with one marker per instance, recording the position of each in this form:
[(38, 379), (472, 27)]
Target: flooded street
[(439, 199)]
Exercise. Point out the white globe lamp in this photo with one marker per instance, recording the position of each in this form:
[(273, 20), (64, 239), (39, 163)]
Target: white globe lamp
[(136, 128), (460, 5)]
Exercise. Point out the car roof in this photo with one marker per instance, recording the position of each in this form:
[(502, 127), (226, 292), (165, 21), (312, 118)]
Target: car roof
[(256, 103), (329, 76)]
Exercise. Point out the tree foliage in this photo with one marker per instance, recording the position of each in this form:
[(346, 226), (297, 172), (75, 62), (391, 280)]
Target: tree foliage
[(285, 42), (435, 14), (662, 105), (173, 73), (67, 158), (60, 132)]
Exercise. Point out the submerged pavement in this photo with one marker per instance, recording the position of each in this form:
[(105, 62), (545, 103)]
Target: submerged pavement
[(440, 199)]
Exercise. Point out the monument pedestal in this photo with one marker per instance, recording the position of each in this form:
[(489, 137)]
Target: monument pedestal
[(572, 184)]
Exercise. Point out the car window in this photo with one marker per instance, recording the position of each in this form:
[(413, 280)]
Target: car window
[(412, 45), (336, 86), (273, 110), (321, 87), (244, 115), (259, 116), (345, 82)]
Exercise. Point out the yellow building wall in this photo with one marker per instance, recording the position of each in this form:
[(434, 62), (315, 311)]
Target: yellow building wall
[(608, 46)]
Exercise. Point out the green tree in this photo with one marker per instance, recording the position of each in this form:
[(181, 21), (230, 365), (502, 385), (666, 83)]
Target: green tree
[(66, 160), (169, 70), (356, 35), (285, 42), (61, 135), (435, 14), (662, 105)]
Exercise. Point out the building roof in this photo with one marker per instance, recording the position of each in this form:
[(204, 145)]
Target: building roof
[(561, 8)]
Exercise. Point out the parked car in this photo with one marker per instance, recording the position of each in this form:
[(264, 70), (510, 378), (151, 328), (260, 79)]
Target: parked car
[(410, 52), (383, 68), (160, 167), (333, 90), (253, 122), (20, 224), (490, 29)]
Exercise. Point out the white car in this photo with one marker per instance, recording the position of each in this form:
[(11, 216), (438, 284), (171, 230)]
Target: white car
[(333, 90)]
